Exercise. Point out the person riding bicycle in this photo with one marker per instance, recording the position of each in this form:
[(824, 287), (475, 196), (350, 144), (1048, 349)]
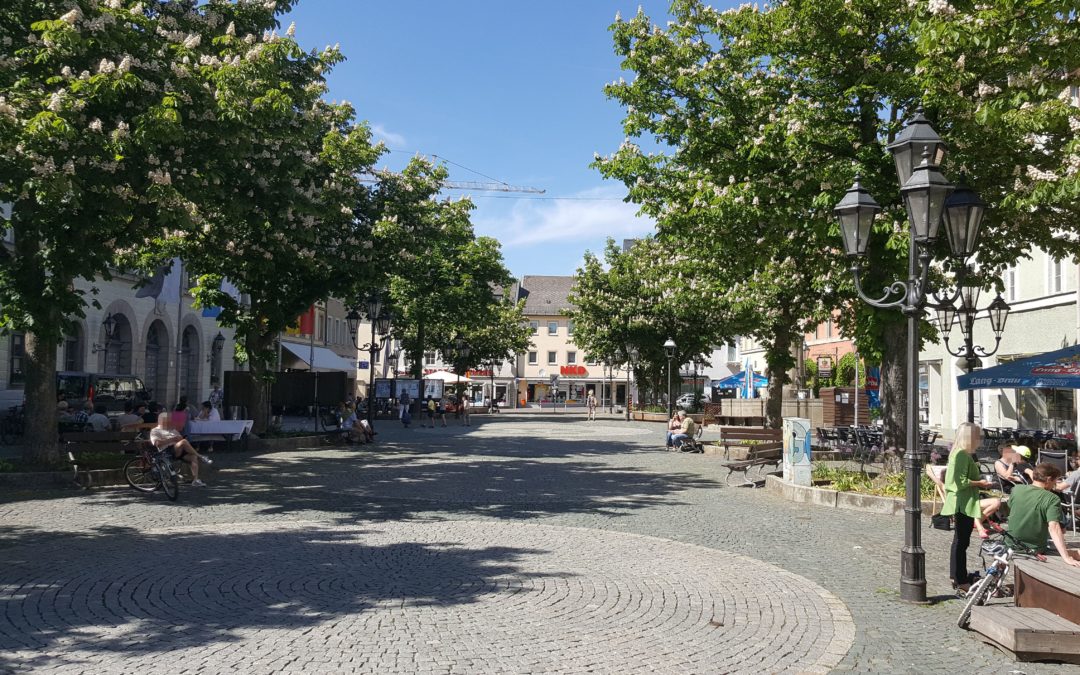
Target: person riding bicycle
[(167, 439), (1035, 514)]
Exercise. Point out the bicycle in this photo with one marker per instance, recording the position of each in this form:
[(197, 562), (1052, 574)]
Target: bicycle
[(153, 469), (13, 425), (1002, 551)]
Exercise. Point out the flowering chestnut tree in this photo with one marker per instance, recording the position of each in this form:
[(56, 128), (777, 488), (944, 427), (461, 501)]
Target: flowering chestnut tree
[(96, 106), (639, 298), (762, 116)]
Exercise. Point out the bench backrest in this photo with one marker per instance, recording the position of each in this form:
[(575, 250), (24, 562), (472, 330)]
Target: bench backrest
[(751, 433), (98, 436)]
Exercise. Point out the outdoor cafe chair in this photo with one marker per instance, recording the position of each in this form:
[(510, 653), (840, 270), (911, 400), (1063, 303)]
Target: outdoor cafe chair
[(1055, 457)]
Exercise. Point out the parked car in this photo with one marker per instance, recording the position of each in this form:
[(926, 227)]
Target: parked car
[(684, 401), (112, 390)]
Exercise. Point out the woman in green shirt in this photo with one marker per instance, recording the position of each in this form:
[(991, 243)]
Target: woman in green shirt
[(962, 483)]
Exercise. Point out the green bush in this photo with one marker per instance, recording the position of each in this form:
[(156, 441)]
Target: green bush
[(884, 485)]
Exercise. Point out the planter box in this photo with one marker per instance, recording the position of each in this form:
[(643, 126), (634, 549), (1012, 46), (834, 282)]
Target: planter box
[(854, 501), (649, 417)]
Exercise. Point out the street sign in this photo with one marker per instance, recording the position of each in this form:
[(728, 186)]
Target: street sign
[(362, 365)]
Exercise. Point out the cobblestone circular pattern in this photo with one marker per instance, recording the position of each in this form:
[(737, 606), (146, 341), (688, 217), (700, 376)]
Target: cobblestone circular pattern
[(420, 597)]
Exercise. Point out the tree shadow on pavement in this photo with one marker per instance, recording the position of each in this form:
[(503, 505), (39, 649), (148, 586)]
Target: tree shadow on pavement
[(401, 485), (119, 590)]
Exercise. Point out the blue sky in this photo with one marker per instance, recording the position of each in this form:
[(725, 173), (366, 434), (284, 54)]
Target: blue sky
[(513, 90)]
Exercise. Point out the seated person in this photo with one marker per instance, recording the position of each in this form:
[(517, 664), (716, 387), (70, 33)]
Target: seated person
[(208, 413), (1035, 514), (1013, 468), (129, 419), (352, 430), (686, 431), (99, 421), (674, 427), (151, 413), (63, 415), (167, 439), (936, 469), (366, 430)]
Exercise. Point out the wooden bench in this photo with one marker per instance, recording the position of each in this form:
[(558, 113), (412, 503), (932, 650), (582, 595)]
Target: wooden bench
[(78, 442), (1028, 633), (757, 457), (1051, 585), (763, 439)]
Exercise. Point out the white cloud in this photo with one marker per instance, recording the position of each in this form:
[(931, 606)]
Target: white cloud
[(596, 213), (392, 139)]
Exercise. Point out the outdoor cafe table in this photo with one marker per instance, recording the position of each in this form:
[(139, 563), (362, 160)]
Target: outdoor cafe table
[(218, 430)]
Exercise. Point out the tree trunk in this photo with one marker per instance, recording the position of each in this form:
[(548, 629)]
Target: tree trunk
[(776, 355), (894, 394), (42, 442), (261, 380)]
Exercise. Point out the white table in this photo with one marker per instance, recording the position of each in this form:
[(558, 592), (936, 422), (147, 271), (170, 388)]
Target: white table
[(221, 429)]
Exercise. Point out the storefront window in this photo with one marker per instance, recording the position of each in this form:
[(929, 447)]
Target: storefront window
[(16, 376)]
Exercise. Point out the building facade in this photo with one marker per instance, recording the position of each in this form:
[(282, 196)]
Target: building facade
[(174, 348), (1044, 316)]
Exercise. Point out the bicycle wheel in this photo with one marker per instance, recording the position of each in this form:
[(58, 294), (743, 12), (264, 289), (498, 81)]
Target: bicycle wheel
[(170, 482), (140, 475), (977, 596)]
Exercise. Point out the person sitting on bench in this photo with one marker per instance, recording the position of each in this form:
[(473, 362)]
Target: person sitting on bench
[(684, 431), (167, 439)]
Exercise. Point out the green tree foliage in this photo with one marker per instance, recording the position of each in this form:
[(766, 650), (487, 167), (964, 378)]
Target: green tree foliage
[(98, 102), (443, 280), (638, 299), (761, 118), (277, 207)]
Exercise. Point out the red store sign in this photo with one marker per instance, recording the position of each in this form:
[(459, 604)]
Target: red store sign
[(574, 371)]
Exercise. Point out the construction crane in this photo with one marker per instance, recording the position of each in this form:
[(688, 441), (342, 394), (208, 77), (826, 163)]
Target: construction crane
[(495, 185), (489, 187)]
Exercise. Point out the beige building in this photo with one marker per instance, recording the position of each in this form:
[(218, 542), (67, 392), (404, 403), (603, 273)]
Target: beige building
[(554, 368)]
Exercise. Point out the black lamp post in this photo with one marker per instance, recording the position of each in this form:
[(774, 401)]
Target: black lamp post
[(380, 325), (947, 314), (917, 152), (632, 357), (669, 349)]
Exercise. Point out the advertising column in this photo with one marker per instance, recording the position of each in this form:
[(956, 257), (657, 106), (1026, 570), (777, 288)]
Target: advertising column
[(797, 438)]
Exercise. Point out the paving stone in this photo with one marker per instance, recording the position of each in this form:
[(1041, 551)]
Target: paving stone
[(521, 544)]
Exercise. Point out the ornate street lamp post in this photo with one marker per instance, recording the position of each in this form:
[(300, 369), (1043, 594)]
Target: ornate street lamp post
[(917, 152), (380, 325), (669, 349), (947, 315)]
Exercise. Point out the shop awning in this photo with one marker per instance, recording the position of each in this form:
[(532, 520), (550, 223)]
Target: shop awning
[(1053, 370), (738, 380), (325, 359)]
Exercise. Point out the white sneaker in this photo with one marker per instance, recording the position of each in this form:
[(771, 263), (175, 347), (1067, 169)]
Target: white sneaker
[(205, 460), (197, 483)]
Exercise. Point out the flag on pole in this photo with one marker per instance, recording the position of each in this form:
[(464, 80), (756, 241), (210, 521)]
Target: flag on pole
[(164, 285), (231, 290)]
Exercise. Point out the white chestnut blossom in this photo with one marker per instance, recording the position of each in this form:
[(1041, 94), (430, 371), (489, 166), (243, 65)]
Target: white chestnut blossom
[(72, 17)]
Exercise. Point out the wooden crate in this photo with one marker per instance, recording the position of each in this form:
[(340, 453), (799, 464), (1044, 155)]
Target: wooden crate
[(1028, 633)]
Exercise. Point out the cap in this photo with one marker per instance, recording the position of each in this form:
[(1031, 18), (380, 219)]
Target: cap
[(1022, 450)]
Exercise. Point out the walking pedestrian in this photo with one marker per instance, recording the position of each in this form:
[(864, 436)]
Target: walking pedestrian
[(406, 415), (429, 410), (463, 408), (590, 402)]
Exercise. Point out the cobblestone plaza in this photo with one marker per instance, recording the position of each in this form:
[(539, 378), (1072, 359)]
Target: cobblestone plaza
[(523, 544)]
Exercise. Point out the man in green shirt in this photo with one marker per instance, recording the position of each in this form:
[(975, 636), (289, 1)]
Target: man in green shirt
[(1035, 513)]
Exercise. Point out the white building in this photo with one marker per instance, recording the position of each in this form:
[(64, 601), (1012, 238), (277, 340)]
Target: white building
[(1042, 294)]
